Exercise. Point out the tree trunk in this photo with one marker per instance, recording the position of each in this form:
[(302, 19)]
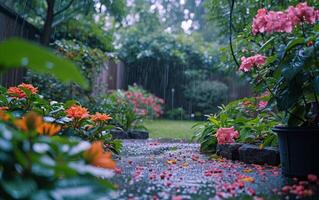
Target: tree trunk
[(47, 28)]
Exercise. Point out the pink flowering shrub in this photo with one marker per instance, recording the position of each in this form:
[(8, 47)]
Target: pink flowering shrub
[(226, 135), (291, 46), (145, 104), (248, 63), (284, 21)]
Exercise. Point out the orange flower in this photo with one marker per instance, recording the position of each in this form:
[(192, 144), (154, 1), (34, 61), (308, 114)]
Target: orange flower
[(29, 122), (77, 112), (29, 87), (48, 129), (4, 108), (16, 93), (97, 157), (4, 116), (98, 117)]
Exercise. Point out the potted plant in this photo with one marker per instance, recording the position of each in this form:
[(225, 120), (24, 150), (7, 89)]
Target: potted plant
[(286, 64)]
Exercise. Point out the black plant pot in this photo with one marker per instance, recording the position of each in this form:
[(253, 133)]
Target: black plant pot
[(299, 150)]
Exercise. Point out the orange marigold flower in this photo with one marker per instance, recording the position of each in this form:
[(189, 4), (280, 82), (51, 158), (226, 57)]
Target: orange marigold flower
[(48, 129), (16, 93), (29, 87), (29, 122), (77, 112), (97, 157), (100, 117), (4, 108), (4, 116)]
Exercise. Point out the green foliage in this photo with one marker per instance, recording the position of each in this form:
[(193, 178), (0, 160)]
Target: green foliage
[(87, 33), (176, 114), (206, 96), (290, 72), (32, 167), (54, 112), (121, 110), (65, 10), (90, 60), (17, 52), (253, 123)]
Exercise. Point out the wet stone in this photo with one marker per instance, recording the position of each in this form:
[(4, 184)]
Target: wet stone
[(138, 134), (229, 151), (253, 154), (118, 134)]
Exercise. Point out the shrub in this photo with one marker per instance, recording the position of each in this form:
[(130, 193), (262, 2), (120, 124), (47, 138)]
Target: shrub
[(176, 114), (121, 110), (145, 104), (249, 116), (41, 156), (205, 96)]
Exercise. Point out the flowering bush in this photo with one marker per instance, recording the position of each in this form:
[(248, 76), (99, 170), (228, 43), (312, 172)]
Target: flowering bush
[(37, 161), (288, 63), (72, 119), (246, 120), (284, 21), (145, 104)]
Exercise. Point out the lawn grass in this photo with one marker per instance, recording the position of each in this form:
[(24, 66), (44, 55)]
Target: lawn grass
[(170, 129)]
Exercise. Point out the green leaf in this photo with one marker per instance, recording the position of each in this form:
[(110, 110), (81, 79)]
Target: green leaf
[(268, 43), (293, 43), (19, 188), (296, 115), (17, 52)]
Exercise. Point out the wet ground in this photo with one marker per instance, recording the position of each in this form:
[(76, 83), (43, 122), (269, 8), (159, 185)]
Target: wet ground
[(175, 170)]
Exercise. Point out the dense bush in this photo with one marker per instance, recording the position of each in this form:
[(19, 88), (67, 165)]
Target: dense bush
[(121, 110), (42, 155), (90, 60), (249, 116), (206, 96)]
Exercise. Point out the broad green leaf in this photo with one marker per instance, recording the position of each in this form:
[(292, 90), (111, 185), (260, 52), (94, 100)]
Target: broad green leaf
[(17, 52), (293, 43), (19, 188)]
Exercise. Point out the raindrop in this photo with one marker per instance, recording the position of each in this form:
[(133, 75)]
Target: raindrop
[(24, 61), (49, 65)]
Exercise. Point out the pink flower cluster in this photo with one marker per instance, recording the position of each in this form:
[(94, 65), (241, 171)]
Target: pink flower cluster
[(226, 135), (283, 21), (145, 104), (248, 63)]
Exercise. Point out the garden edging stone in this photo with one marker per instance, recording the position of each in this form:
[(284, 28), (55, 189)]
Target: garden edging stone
[(135, 134), (249, 153), (229, 151), (118, 134)]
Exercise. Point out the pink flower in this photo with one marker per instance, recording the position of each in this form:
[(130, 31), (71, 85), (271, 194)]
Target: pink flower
[(226, 135), (262, 104), (283, 21), (312, 178), (302, 13), (248, 63)]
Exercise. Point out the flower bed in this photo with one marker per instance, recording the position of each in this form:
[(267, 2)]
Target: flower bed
[(50, 146)]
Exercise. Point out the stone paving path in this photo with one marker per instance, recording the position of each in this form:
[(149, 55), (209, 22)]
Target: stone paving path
[(175, 170)]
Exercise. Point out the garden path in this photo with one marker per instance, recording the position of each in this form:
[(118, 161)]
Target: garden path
[(175, 170)]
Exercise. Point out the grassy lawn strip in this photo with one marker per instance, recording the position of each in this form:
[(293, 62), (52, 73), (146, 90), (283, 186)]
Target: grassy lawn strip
[(170, 129)]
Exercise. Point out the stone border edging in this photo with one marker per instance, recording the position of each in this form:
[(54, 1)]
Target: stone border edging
[(133, 134), (249, 153)]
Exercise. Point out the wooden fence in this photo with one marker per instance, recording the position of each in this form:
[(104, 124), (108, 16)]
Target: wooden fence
[(13, 25), (110, 77)]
